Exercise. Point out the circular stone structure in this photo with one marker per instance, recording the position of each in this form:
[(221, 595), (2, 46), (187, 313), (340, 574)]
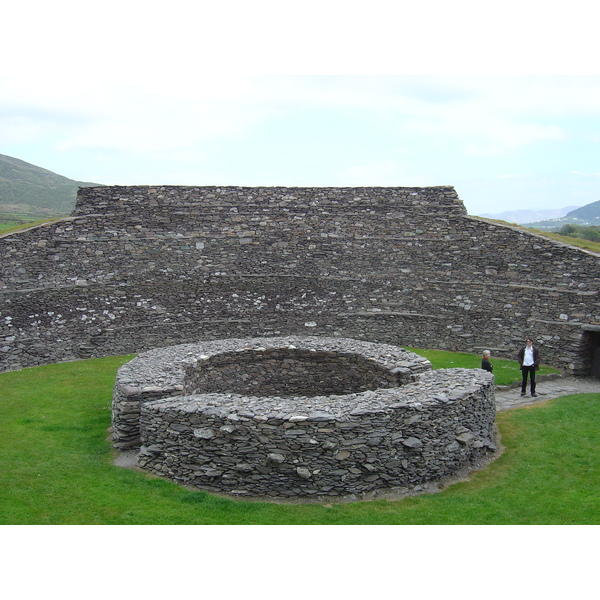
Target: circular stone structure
[(301, 417)]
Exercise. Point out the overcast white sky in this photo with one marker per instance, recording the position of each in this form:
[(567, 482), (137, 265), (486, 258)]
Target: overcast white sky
[(500, 100)]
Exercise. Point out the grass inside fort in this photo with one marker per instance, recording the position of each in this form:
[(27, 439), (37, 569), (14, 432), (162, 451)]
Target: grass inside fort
[(56, 464)]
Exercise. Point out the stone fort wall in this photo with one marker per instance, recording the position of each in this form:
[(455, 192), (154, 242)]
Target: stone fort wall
[(141, 267)]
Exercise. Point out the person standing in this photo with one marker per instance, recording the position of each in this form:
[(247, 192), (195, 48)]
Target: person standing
[(529, 363), (486, 365)]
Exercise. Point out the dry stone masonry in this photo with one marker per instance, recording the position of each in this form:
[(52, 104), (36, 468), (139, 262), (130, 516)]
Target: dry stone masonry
[(332, 366), (301, 417), (142, 267)]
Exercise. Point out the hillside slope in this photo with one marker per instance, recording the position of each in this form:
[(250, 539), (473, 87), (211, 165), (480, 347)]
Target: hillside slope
[(26, 188), (584, 215), (589, 211)]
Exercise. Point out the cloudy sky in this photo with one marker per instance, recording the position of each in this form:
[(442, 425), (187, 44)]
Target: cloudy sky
[(499, 101)]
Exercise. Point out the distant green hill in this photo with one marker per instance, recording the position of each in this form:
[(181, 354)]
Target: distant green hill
[(36, 192), (584, 215), (589, 211)]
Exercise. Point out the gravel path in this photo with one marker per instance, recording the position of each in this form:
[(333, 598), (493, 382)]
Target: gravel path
[(546, 389)]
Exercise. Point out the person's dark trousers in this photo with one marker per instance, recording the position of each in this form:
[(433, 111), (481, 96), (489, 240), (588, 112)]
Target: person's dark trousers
[(531, 372)]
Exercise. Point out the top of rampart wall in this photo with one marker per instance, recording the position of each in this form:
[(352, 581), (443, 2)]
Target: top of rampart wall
[(138, 199)]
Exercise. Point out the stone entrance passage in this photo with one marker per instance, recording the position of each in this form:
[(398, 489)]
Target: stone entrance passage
[(300, 417), (591, 350)]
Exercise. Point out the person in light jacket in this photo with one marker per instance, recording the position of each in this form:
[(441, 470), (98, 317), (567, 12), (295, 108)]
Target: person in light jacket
[(529, 363)]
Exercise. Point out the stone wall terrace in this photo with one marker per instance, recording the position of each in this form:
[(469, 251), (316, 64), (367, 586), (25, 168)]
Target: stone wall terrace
[(146, 266)]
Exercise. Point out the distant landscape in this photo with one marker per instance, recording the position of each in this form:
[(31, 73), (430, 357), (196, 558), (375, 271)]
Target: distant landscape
[(529, 215), (28, 192), (552, 220), (588, 215)]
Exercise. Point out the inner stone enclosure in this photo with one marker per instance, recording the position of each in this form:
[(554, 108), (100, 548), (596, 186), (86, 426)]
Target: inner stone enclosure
[(301, 417), (288, 371)]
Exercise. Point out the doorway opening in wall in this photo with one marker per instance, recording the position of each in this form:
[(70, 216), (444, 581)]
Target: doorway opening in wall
[(590, 342)]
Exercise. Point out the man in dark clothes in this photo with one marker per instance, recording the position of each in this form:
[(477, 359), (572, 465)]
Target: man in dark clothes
[(529, 363)]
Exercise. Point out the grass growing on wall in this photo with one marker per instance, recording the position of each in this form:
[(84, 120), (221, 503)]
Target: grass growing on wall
[(56, 466), (573, 241)]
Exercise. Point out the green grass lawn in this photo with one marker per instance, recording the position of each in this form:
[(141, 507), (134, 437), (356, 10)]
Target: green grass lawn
[(56, 466)]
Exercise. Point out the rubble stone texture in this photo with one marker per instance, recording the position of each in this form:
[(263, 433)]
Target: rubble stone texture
[(141, 267)]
